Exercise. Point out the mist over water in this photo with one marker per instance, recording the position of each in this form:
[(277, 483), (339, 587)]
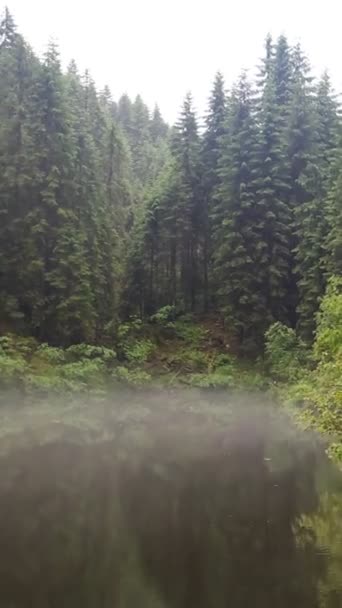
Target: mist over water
[(179, 499)]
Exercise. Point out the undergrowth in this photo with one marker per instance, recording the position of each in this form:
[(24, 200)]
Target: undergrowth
[(310, 380), (178, 350)]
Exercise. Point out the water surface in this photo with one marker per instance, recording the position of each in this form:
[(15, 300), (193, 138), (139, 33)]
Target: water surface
[(166, 500)]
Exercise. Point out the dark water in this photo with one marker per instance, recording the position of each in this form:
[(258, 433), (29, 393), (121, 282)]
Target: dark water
[(175, 501)]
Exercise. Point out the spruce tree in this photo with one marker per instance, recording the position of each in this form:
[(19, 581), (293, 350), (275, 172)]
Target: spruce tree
[(273, 175), (17, 69), (308, 145), (158, 127), (211, 153), (189, 210), (237, 239)]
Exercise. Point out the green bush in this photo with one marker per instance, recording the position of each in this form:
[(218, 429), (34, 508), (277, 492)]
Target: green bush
[(12, 368), (138, 351), (328, 342), (319, 391), (188, 359), (131, 327), (223, 378), (320, 394), (186, 330), (223, 360), (132, 377), (50, 354), (82, 374), (87, 351), (164, 316), (285, 353), (13, 364)]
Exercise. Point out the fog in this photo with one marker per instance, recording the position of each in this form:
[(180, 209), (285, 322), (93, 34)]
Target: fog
[(163, 499)]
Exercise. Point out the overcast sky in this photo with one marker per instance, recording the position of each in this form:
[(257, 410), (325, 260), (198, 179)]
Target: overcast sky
[(162, 48)]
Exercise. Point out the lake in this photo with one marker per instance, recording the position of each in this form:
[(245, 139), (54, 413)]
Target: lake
[(166, 499)]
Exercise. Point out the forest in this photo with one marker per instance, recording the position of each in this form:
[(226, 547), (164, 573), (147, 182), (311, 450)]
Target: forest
[(207, 252)]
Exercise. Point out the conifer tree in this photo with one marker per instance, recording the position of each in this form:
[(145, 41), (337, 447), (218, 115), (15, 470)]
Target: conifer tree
[(158, 127), (237, 239), (17, 69), (211, 153), (309, 143), (273, 175), (189, 209)]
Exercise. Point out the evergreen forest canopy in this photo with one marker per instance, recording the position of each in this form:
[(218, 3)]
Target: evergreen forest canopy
[(107, 212)]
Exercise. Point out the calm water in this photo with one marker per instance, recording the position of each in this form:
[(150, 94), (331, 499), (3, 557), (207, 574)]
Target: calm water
[(167, 500)]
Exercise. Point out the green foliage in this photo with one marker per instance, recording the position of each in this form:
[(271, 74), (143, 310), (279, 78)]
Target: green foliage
[(320, 394), (132, 377), (285, 352), (220, 379), (133, 346), (14, 355), (319, 391), (79, 367), (131, 327), (229, 376), (83, 374), (188, 331), (188, 359), (164, 316), (328, 342), (87, 351), (12, 368), (50, 354), (138, 351)]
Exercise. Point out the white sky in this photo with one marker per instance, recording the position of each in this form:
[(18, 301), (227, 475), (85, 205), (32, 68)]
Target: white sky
[(162, 48)]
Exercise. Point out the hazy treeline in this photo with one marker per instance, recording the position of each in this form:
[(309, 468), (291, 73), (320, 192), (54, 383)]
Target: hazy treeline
[(106, 211)]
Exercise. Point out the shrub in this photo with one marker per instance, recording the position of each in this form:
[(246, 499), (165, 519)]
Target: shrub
[(224, 378), (328, 342), (285, 352), (186, 330), (164, 316), (223, 360), (12, 368), (138, 351), (82, 374), (51, 354), (131, 327), (87, 351), (135, 377), (188, 359), (13, 365)]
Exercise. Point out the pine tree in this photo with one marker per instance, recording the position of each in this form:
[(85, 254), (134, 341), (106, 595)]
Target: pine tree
[(189, 211), (283, 74), (329, 162), (8, 31), (158, 127), (333, 244), (211, 152), (309, 144), (237, 239), (273, 175), (17, 68), (54, 220), (141, 148), (125, 114)]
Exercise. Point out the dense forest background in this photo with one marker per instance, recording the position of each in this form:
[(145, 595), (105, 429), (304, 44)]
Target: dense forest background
[(107, 212)]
